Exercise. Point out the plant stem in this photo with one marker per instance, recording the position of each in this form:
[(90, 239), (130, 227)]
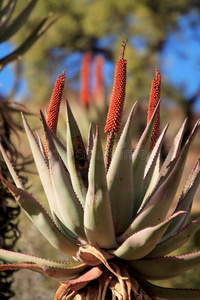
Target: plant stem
[(109, 148)]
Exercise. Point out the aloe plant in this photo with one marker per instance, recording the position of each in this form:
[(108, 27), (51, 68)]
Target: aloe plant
[(109, 212)]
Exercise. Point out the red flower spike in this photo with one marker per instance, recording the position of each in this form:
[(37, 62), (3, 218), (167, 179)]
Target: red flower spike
[(114, 116), (54, 106), (85, 79), (118, 95), (153, 101), (98, 78)]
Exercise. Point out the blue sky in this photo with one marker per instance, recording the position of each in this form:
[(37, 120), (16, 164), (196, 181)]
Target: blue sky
[(179, 61), (183, 70), (7, 75)]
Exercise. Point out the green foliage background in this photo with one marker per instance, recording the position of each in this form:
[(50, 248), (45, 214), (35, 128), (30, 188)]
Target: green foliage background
[(82, 22)]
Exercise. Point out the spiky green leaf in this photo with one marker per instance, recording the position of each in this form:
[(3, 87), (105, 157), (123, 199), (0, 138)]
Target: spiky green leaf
[(53, 269), (42, 149), (98, 220), (43, 169), (10, 167), (169, 293), (142, 242), (76, 157), (90, 143), (42, 221), (186, 200), (175, 148), (62, 150), (68, 204), (166, 267), (139, 160), (16, 257), (150, 178), (120, 180), (176, 240), (159, 202)]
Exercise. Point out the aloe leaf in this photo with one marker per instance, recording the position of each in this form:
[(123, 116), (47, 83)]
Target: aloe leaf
[(41, 146), (18, 22), (153, 181), (10, 167), (58, 222), (98, 220), (90, 143), (192, 177), (159, 202), (19, 184), (6, 12), (142, 242), (165, 267), (139, 160), (43, 169), (30, 40), (16, 257), (60, 148), (66, 231), (41, 220), (172, 157), (54, 272), (68, 204), (20, 266), (50, 268), (76, 157), (170, 293), (175, 148), (177, 240), (120, 180), (151, 164), (186, 200)]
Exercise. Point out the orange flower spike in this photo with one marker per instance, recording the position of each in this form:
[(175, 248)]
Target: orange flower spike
[(54, 106), (114, 116), (98, 78), (118, 95), (85, 79), (153, 101)]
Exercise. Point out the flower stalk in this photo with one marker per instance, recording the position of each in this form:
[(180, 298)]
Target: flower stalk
[(114, 116), (153, 101), (54, 106), (85, 79), (98, 78)]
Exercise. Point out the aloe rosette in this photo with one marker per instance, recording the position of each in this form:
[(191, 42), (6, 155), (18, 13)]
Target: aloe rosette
[(112, 223)]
